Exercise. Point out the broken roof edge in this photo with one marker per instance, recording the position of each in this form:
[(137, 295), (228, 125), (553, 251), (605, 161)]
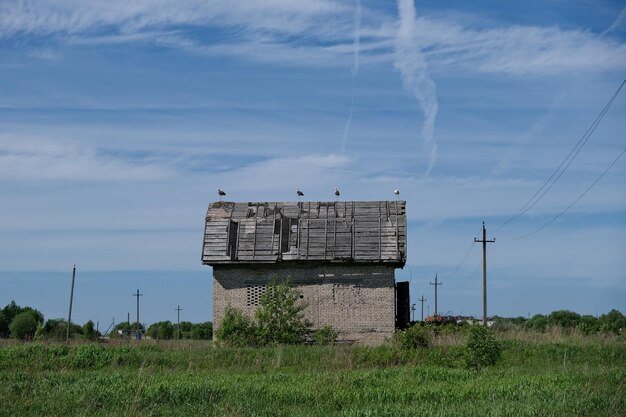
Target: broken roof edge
[(229, 206), (308, 262)]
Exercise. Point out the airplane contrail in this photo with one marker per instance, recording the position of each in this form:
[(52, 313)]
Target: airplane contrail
[(414, 71), (354, 71)]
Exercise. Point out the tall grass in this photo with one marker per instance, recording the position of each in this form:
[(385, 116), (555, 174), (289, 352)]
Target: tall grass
[(536, 377)]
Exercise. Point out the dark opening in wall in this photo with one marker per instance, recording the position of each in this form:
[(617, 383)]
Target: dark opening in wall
[(232, 240)]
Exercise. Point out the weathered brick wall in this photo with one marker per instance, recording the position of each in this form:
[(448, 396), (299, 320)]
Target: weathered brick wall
[(356, 300)]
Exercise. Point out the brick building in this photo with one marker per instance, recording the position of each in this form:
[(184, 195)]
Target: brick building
[(341, 256)]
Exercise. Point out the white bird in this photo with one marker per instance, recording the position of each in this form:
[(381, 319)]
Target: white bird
[(221, 193), (300, 193), (397, 193), (337, 193)]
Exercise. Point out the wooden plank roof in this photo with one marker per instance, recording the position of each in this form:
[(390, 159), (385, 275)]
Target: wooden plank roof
[(336, 231)]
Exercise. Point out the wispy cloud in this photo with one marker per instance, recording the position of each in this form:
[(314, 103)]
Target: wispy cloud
[(412, 66), (317, 33), (45, 159)]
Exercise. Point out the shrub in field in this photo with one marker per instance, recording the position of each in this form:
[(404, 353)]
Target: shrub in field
[(564, 318), (613, 321), (236, 329), (588, 324), (23, 326), (481, 348), (538, 323), (280, 316), (325, 335), (414, 337), (56, 329)]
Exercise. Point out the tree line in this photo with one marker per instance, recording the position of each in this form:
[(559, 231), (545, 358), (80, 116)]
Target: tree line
[(612, 322), (27, 323)]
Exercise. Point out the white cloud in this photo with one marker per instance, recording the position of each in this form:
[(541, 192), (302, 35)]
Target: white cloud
[(315, 33), (29, 158)]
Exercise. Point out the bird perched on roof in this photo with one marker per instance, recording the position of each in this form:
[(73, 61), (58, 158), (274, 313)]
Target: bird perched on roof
[(220, 193), (300, 193), (337, 193), (397, 193)]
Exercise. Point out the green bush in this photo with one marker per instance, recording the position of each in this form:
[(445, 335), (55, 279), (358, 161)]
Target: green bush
[(56, 329), (10, 311), (236, 329), (414, 337), (325, 335), (24, 325), (481, 348), (280, 316)]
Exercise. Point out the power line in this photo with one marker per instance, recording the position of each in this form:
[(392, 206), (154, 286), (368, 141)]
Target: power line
[(575, 201), (460, 265), (560, 170)]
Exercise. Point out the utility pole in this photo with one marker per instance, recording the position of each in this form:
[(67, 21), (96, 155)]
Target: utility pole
[(69, 316), (484, 241), (436, 285), (137, 295), (422, 301), (178, 322), (413, 311)]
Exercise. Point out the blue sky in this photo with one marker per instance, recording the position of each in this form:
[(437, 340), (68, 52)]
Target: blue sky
[(119, 121)]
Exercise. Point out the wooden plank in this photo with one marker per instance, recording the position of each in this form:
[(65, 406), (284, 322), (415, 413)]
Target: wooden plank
[(298, 238)]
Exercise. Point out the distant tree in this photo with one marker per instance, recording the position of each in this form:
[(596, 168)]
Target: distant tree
[(588, 324), (563, 318), (538, 322), (24, 325), (162, 330), (280, 316), (185, 326), (56, 329), (202, 331), (125, 327), (10, 311), (613, 321), (4, 324), (89, 332), (166, 330)]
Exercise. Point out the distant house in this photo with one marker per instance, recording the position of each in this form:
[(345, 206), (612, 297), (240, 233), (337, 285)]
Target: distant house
[(341, 256)]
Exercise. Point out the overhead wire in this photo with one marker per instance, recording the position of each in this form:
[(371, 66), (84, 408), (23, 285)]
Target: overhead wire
[(575, 201), (460, 265), (567, 161)]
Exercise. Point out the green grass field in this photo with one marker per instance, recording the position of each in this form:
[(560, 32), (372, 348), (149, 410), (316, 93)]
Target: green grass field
[(538, 375)]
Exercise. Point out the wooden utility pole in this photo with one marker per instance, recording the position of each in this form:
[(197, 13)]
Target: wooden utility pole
[(422, 301), (436, 285), (413, 311), (484, 241), (137, 295), (178, 309), (69, 316)]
